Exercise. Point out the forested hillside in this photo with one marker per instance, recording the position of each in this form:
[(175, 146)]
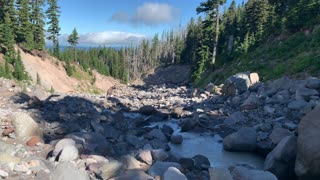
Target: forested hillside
[(269, 36)]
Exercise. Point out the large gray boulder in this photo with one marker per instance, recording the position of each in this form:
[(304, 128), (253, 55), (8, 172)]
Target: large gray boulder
[(67, 171), (242, 173), (243, 140), (236, 84), (280, 161), (24, 125), (308, 146), (173, 173)]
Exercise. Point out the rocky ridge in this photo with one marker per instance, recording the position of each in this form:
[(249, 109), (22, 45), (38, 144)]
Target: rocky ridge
[(84, 136)]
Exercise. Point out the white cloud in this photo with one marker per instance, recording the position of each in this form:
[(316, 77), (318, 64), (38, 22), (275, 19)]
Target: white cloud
[(110, 38), (149, 14)]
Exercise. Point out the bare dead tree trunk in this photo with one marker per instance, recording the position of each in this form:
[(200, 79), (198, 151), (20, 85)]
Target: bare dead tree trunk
[(215, 43)]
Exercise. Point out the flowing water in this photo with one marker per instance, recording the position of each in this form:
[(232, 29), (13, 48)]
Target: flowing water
[(207, 145)]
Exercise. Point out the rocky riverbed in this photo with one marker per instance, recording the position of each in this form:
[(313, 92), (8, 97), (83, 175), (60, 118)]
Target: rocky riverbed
[(244, 129)]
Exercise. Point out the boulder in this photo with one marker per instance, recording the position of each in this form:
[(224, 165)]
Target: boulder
[(251, 102), (24, 125), (133, 175), (159, 168), (159, 155), (278, 134), (234, 118), (242, 173), (148, 110), (69, 153), (176, 139), (110, 169), (280, 161), (67, 171), (177, 112), (188, 124), (297, 104), (242, 140), (236, 84), (219, 174), (307, 164), (63, 143), (131, 163), (173, 173), (186, 163), (304, 93), (313, 83)]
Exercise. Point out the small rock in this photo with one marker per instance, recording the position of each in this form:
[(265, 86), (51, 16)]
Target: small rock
[(7, 131), (159, 168), (145, 156), (290, 126), (148, 110), (177, 112), (34, 141), (297, 104), (201, 162), (67, 171), (173, 173), (159, 155), (234, 118), (176, 139), (313, 83), (186, 163), (110, 169), (242, 173), (303, 93), (3, 174)]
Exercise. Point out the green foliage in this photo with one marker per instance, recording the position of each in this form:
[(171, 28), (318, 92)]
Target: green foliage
[(53, 14), (37, 20), (51, 90), (19, 72), (24, 31), (69, 69)]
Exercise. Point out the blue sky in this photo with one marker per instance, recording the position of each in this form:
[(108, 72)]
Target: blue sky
[(119, 22)]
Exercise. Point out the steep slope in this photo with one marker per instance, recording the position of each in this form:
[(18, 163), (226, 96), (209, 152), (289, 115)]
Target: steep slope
[(53, 74)]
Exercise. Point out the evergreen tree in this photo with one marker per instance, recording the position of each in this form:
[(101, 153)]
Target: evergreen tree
[(73, 40), (7, 39), (24, 31), (37, 20), (19, 72), (7, 6), (212, 9), (53, 14)]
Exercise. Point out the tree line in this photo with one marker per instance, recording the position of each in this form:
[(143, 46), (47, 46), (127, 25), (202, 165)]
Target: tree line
[(22, 22), (219, 35)]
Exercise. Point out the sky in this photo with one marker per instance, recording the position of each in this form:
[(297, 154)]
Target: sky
[(122, 22)]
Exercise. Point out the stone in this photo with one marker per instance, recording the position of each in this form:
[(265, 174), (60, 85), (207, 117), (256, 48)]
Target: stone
[(174, 173), (69, 153), (67, 171), (188, 124), (251, 102), (131, 163), (7, 158), (242, 140), (234, 118), (33, 141), (111, 169), (254, 78), (145, 156), (167, 130), (186, 163), (297, 104), (159, 168), (91, 142), (219, 174), (133, 175), (307, 164), (7, 131), (148, 110), (280, 161), (290, 126), (304, 93), (24, 125), (242, 173), (159, 155), (265, 127), (201, 162), (62, 144), (236, 84), (313, 83), (3, 174), (262, 136), (278, 134), (157, 133), (176, 139), (177, 112)]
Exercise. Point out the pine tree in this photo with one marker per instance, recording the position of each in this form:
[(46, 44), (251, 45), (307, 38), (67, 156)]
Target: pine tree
[(53, 14), (212, 8), (7, 39), (73, 40), (19, 72), (24, 31), (7, 6), (37, 20)]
